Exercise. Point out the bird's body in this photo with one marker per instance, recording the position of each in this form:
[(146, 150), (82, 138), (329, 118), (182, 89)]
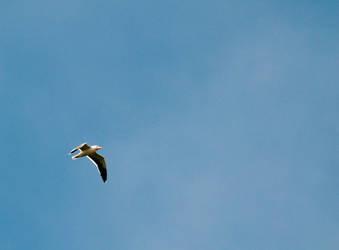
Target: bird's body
[(85, 152), (90, 152)]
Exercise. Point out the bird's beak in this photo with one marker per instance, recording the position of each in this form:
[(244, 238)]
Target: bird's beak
[(99, 147)]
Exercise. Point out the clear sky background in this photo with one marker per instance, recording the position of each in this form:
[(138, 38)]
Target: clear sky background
[(218, 121)]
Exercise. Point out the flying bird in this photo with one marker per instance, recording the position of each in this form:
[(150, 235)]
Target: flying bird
[(90, 153)]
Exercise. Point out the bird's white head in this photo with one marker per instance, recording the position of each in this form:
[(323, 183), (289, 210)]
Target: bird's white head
[(97, 147)]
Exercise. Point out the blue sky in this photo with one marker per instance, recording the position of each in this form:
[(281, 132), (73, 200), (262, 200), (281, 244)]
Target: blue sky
[(217, 120)]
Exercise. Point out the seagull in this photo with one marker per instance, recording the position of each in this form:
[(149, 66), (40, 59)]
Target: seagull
[(90, 153)]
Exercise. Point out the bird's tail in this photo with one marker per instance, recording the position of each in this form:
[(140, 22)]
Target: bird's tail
[(75, 157)]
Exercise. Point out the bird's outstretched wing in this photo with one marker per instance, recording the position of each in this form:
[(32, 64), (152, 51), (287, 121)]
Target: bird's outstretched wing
[(99, 161), (82, 147)]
